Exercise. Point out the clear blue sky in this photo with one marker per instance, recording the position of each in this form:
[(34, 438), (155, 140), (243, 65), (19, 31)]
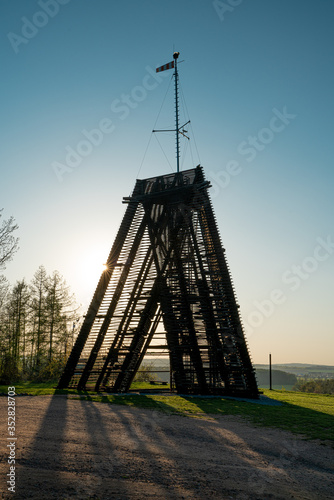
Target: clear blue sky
[(258, 82)]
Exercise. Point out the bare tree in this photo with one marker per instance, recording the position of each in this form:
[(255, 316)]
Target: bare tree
[(8, 242), (4, 287)]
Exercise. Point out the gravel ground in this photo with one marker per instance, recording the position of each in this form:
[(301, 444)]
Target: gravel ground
[(69, 448)]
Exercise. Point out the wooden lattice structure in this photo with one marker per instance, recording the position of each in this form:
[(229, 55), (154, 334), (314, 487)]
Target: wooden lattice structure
[(167, 266)]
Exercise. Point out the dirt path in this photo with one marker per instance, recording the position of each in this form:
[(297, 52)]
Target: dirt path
[(78, 449)]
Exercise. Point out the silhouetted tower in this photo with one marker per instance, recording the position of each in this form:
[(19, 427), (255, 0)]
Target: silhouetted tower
[(167, 265)]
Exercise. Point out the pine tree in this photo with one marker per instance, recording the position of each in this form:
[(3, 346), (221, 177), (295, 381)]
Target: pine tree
[(38, 293), (18, 314), (60, 315)]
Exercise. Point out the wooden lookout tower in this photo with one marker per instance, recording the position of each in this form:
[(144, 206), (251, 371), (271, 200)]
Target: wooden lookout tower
[(167, 267)]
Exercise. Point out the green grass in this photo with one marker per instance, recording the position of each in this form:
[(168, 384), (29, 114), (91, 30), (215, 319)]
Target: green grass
[(38, 389), (146, 385), (311, 415), (279, 387)]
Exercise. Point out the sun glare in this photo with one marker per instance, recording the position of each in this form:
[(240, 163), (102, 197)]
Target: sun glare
[(91, 267)]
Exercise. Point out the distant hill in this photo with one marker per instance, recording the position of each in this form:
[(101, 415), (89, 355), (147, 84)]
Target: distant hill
[(302, 369), (282, 374), (279, 379)]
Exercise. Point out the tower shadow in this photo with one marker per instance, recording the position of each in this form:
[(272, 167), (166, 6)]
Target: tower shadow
[(44, 457)]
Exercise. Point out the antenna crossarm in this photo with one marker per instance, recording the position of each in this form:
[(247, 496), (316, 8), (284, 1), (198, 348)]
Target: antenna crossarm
[(174, 129), (183, 132), (184, 125), (167, 130)]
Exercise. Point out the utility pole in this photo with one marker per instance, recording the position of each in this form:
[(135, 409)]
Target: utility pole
[(176, 77), (270, 374)]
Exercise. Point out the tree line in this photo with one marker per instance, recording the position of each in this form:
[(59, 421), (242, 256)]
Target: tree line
[(37, 323), (37, 319)]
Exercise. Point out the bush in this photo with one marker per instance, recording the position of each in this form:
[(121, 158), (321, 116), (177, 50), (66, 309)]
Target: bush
[(145, 373), (318, 386), (50, 371), (8, 370)]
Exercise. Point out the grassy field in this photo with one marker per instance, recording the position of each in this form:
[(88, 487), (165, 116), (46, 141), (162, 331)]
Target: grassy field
[(311, 415)]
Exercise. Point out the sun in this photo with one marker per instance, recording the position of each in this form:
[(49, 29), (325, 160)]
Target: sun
[(91, 266)]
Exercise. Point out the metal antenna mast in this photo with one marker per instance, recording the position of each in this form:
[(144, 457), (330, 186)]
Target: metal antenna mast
[(176, 76), (178, 130)]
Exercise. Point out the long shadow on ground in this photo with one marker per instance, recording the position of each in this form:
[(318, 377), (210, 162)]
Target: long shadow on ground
[(84, 449)]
